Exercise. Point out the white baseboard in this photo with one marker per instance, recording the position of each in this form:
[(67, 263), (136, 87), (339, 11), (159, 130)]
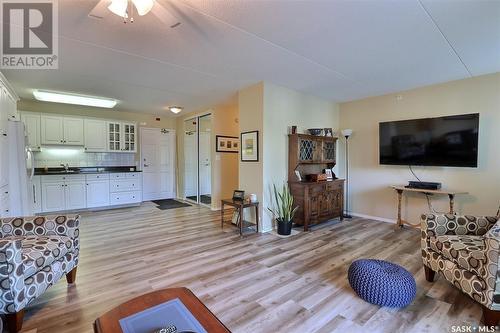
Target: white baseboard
[(376, 218)]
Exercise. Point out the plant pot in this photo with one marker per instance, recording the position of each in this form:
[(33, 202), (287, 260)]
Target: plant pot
[(284, 227)]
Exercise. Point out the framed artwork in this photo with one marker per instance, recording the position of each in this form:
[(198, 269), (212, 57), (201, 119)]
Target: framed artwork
[(227, 144), (250, 146)]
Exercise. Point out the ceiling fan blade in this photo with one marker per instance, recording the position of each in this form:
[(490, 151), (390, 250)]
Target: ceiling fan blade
[(100, 10), (164, 15)]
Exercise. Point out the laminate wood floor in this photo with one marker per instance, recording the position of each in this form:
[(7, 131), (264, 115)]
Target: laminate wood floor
[(261, 283)]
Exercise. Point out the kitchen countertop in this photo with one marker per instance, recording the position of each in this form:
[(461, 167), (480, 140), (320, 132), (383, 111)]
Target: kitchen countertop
[(84, 170)]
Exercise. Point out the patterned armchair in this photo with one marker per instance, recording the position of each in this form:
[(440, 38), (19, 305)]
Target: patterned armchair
[(464, 249), (35, 252)]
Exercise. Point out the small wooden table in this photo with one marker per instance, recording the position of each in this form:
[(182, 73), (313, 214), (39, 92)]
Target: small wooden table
[(240, 205), (109, 322), (401, 188)]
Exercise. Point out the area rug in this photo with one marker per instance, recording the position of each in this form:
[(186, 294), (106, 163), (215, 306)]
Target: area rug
[(169, 204)]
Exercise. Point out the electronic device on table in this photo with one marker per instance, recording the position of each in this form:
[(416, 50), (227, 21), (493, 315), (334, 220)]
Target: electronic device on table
[(423, 185)]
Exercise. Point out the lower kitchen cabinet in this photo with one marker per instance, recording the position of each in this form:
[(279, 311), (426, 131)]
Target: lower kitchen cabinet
[(73, 192), (97, 193)]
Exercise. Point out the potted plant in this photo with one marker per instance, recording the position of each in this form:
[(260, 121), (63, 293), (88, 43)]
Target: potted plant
[(284, 211)]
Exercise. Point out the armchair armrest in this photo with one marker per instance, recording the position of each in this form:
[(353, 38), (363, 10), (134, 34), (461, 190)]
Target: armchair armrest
[(12, 276), (60, 225)]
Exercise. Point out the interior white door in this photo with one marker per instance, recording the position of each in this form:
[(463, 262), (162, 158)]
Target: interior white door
[(158, 163), (205, 164), (190, 165)]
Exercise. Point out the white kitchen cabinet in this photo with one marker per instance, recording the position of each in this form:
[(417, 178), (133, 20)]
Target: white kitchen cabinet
[(4, 201), (52, 130), (53, 197), (125, 188), (75, 194), (97, 191), (95, 135), (59, 130), (35, 194), (122, 137), (129, 143), (73, 131), (4, 160), (32, 127)]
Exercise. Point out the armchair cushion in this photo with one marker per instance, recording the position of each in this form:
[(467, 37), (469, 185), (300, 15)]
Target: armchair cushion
[(468, 252), (41, 251)]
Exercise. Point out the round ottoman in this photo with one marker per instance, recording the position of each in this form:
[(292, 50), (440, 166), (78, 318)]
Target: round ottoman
[(381, 282)]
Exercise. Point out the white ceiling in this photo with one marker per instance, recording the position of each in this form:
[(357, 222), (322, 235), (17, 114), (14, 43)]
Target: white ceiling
[(338, 50)]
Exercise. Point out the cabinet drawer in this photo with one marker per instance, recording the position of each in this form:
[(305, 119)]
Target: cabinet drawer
[(125, 198), (133, 175), (118, 176), (97, 177), (62, 178), (124, 185), (334, 185)]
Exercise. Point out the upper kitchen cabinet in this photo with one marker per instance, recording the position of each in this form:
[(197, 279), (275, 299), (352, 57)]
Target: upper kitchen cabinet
[(95, 135), (122, 137), (31, 122), (58, 130)]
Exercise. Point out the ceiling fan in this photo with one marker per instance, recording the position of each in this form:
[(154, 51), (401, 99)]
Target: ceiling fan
[(127, 8)]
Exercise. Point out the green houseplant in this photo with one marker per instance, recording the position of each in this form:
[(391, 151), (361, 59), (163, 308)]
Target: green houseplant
[(283, 212)]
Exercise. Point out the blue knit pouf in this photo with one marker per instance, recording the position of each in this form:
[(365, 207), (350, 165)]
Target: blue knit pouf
[(381, 282)]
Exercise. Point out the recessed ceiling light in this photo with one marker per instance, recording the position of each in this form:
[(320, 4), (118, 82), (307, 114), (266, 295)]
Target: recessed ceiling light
[(175, 109), (68, 98)]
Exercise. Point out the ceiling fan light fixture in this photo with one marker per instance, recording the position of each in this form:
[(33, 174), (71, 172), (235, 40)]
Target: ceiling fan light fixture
[(143, 6), (119, 7)]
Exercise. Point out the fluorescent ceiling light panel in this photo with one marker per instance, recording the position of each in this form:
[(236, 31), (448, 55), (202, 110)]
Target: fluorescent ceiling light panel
[(66, 98)]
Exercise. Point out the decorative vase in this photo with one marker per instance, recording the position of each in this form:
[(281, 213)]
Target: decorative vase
[(284, 227)]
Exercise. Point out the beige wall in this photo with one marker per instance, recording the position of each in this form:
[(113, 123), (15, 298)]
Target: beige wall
[(272, 110), (224, 165), (370, 194)]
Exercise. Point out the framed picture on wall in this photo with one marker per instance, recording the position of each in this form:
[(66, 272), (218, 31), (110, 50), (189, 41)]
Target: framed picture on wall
[(250, 146), (227, 144)]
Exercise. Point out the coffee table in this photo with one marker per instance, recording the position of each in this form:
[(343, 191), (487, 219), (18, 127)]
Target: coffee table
[(109, 322)]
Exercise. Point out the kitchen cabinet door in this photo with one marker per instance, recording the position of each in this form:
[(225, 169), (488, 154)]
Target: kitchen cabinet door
[(32, 127), (129, 137), (53, 196), (73, 131), (95, 135), (36, 194), (114, 136), (52, 130), (75, 195), (98, 193)]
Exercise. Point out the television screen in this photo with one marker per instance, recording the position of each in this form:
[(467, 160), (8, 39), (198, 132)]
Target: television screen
[(443, 141)]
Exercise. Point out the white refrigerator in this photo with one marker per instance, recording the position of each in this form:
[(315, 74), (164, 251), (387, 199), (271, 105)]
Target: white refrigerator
[(21, 171)]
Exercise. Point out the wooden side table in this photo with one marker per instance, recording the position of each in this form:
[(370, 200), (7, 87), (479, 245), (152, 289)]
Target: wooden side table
[(109, 322), (240, 205)]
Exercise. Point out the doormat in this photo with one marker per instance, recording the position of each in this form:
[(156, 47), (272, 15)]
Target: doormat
[(169, 204)]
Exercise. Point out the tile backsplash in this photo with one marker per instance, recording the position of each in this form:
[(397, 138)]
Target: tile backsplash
[(53, 157)]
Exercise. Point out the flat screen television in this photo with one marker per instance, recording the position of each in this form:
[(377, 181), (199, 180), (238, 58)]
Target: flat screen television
[(442, 141)]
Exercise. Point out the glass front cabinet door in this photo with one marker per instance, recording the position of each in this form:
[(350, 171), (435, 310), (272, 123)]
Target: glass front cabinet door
[(114, 136), (129, 137)]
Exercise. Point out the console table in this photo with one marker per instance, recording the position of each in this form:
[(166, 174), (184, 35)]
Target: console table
[(400, 189)]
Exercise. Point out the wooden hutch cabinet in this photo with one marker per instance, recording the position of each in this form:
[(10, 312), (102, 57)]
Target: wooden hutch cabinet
[(318, 201)]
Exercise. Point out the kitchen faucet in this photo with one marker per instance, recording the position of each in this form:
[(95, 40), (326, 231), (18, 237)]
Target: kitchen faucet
[(65, 166)]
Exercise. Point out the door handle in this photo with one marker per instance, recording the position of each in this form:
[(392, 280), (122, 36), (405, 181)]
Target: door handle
[(146, 165)]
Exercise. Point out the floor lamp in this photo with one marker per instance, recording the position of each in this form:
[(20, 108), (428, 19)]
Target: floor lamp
[(347, 133)]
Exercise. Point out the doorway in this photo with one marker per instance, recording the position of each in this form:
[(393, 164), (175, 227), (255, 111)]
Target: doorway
[(158, 163), (197, 160)]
